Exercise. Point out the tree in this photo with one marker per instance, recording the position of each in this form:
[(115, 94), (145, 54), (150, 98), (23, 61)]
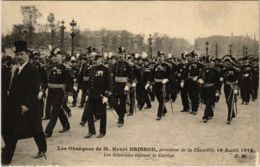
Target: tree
[(30, 16)]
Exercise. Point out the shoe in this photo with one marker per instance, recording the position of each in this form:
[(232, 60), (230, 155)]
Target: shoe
[(158, 118), (81, 106), (64, 130), (246, 103), (82, 123), (100, 135), (47, 135), (139, 107), (163, 114), (120, 125), (69, 115), (228, 122), (40, 155), (147, 107), (184, 110), (130, 114), (194, 112), (89, 135), (205, 120), (73, 105), (3, 163)]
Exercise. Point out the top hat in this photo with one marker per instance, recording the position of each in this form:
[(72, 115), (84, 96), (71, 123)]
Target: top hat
[(20, 46)]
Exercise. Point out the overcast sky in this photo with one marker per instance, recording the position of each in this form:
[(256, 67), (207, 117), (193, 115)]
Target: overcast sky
[(189, 20)]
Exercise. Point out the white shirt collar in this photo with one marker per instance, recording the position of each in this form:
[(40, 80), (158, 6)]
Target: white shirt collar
[(20, 67)]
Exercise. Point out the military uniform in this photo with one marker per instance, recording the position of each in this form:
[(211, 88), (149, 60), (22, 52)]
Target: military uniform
[(161, 71), (246, 82), (230, 78), (183, 75), (193, 86), (122, 75), (59, 82), (98, 75), (209, 80), (255, 80)]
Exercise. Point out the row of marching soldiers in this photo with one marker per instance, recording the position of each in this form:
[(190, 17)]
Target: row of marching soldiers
[(121, 80)]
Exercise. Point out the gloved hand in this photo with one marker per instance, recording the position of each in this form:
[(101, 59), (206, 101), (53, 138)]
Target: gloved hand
[(164, 81), (126, 88), (235, 91), (246, 75), (75, 88), (221, 79), (70, 99), (104, 99), (201, 81), (195, 78), (133, 84), (146, 86), (217, 97), (75, 80), (182, 84), (40, 95)]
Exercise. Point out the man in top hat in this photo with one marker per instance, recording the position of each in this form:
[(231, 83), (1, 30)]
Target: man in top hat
[(23, 118), (230, 78), (100, 86), (122, 79)]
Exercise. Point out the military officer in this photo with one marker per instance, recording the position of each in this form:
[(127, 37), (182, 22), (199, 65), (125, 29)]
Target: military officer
[(255, 79), (161, 76), (245, 80), (194, 68), (230, 77), (59, 82), (122, 79), (209, 80), (98, 96)]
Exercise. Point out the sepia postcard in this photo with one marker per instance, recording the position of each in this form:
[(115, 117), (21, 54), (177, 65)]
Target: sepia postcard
[(170, 118)]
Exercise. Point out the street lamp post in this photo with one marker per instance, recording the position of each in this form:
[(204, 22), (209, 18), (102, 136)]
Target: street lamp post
[(216, 49), (150, 42), (62, 28), (73, 34), (207, 48), (230, 49)]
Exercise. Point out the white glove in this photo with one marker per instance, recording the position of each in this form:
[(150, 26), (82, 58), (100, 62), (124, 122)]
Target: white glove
[(133, 84), (195, 78), (126, 88), (151, 86), (146, 86), (217, 94), (182, 84), (201, 81), (246, 75), (70, 99), (75, 80), (104, 100), (164, 81), (40, 95), (75, 88), (179, 74), (235, 91), (221, 79)]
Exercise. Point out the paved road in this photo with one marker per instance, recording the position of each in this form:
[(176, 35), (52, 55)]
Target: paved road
[(178, 139)]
